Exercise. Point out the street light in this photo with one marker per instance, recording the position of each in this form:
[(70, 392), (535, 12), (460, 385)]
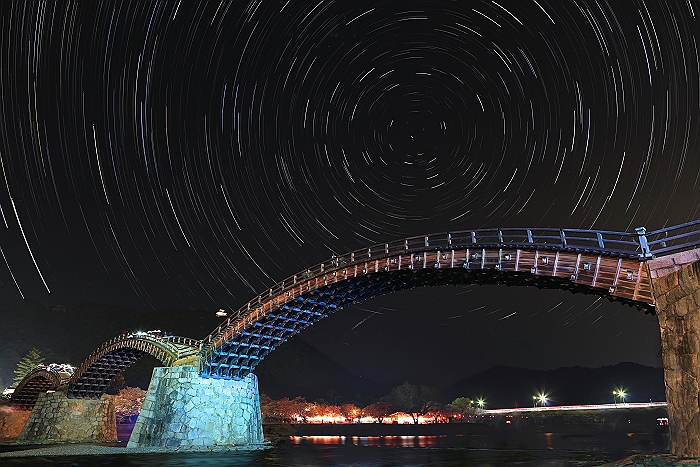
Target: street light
[(619, 393), (540, 398), (480, 403)]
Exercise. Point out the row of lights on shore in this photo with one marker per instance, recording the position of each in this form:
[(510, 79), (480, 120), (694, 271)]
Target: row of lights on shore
[(541, 399)]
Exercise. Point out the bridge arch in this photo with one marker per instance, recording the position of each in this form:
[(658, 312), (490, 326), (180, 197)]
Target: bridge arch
[(604, 263), (39, 380), (104, 364)]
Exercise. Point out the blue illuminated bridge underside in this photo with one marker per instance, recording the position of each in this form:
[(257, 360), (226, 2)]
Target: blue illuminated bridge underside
[(258, 335), (604, 263)]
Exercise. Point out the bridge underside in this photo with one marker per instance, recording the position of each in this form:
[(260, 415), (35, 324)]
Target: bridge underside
[(278, 318), (95, 374), (27, 393), (95, 379)]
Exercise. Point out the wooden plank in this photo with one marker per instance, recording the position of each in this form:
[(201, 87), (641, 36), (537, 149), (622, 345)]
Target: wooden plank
[(586, 269), (526, 260), (508, 260), (566, 265), (489, 259), (545, 263)]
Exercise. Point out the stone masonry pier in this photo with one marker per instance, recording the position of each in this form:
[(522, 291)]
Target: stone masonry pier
[(676, 289), (57, 419), (183, 409)]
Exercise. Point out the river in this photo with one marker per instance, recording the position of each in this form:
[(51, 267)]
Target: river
[(566, 439), (357, 451)]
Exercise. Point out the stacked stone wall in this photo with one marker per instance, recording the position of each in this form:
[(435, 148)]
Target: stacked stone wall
[(676, 290), (12, 420), (57, 419), (183, 409)]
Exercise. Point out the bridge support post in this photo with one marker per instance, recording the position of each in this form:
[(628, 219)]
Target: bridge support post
[(57, 419), (183, 409), (676, 289)]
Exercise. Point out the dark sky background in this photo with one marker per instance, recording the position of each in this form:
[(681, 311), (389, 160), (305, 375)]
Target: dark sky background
[(190, 154)]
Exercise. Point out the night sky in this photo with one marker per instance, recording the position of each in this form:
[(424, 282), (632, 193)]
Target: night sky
[(191, 154)]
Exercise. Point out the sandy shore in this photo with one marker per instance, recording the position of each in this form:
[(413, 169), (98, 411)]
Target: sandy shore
[(94, 450)]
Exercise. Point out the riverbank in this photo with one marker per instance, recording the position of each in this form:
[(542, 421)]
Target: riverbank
[(97, 450)]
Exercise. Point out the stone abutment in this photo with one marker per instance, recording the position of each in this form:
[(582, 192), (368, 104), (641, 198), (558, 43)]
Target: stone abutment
[(183, 409), (676, 288), (57, 419)]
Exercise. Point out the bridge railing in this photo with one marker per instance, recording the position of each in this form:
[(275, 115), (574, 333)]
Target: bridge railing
[(674, 238)]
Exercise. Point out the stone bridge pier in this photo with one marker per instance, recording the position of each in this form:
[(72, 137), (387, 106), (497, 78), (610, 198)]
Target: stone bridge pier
[(183, 409), (676, 287), (58, 419)]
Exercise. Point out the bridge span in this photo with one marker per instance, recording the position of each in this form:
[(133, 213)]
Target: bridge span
[(655, 272)]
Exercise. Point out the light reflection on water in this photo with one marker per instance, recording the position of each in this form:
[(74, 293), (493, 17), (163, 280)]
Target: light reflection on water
[(377, 441), (369, 451)]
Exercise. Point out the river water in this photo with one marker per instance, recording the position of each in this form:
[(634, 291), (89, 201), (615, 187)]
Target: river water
[(357, 451)]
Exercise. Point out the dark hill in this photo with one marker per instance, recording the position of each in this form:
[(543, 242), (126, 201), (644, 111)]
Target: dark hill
[(299, 369), (514, 387)]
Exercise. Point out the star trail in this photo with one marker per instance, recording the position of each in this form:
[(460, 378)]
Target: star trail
[(170, 153)]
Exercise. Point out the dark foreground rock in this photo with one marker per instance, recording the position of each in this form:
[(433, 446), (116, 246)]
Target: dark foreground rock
[(654, 460)]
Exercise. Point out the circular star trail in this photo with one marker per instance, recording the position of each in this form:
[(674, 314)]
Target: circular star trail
[(193, 153)]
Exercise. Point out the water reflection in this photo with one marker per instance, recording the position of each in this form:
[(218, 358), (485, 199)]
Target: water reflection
[(375, 441)]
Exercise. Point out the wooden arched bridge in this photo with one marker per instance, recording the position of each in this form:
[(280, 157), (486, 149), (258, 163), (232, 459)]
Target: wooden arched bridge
[(93, 376), (606, 263), (657, 271)]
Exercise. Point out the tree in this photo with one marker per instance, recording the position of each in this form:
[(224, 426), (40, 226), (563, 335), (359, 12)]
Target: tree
[(379, 411), (464, 404), (433, 410), (413, 399), (290, 410), (351, 412), (452, 412), (27, 364), (268, 408), (128, 402)]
